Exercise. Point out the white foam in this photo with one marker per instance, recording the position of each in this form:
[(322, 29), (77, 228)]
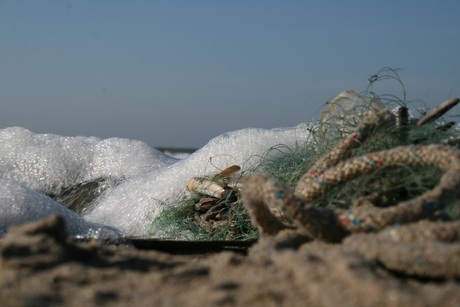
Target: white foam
[(178, 155), (133, 205), (20, 204), (48, 162)]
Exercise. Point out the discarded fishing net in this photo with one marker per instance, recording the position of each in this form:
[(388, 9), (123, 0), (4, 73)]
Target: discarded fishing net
[(384, 187), (212, 212), (204, 215), (408, 235)]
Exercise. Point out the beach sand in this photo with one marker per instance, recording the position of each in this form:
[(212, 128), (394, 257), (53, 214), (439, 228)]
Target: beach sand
[(41, 266)]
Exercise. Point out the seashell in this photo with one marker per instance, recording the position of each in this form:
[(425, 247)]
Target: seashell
[(228, 171), (205, 187)]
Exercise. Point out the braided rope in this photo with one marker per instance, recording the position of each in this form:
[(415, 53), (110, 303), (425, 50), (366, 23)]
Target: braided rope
[(430, 259), (370, 219), (332, 171), (375, 120), (425, 249), (333, 225), (316, 184)]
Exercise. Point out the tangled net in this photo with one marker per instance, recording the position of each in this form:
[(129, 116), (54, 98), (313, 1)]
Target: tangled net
[(410, 236)]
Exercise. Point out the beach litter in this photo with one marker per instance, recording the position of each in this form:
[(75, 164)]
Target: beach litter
[(379, 181), (413, 237)]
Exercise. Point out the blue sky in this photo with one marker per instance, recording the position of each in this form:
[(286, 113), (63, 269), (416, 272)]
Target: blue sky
[(178, 73)]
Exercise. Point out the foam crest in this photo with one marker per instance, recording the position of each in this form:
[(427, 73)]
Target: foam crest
[(117, 157), (48, 162)]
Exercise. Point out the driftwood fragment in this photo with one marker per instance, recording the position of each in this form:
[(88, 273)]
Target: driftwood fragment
[(438, 111)]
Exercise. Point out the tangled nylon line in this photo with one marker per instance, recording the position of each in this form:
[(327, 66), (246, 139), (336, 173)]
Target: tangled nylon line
[(261, 193)]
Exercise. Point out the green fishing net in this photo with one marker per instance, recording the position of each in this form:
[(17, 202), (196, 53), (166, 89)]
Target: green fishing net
[(385, 187)]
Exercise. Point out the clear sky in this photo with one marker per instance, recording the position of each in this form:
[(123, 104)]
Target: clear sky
[(178, 73)]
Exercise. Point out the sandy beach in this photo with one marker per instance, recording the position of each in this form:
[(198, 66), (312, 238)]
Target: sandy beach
[(41, 266)]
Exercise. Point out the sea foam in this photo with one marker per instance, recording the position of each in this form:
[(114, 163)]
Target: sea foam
[(49, 163), (33, 165), (19, 204)]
